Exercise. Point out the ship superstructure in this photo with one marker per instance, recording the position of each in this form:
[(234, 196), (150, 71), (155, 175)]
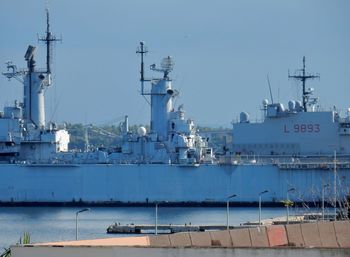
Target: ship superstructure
[(299, 148), (25, 135), (297, 130), (172, 139)]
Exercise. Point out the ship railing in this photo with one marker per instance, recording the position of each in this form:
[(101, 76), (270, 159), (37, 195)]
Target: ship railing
[(282, 160), (23, 71), (344, 120), (237, 121), (313, 166)]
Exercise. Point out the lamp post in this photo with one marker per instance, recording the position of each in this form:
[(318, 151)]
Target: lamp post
[(260, 194), (335, 184), (228, 210), (323, 188), (76, 221), (156, 221), (287, 203)]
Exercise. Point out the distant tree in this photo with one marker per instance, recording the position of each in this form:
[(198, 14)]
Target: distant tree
[(97, 136), (216, 140), (107, 135)]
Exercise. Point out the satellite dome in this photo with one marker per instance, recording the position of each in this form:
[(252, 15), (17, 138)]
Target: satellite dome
[(142, 131), (280, 107), (265, 102), (244, 117), (291, 105)]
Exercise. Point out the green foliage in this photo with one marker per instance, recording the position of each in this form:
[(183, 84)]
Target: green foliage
[(217, 140), (97, 136), (76, 132), (107, 135), (25, 239), (6, 253), (287, 203)]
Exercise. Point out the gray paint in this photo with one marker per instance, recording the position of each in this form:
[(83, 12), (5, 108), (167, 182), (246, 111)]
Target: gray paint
[(172, 162)]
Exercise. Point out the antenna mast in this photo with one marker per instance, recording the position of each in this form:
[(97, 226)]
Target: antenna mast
[(303, 76), (142, 50), (268, 81), (49, 38)]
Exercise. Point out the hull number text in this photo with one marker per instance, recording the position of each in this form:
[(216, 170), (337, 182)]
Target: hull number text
[(302, 128)]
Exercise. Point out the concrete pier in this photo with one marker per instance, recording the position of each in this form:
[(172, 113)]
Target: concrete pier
[(176, 228), (162, 229), (309, 240)]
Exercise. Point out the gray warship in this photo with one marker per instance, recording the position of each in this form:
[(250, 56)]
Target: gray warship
[(299, 152)]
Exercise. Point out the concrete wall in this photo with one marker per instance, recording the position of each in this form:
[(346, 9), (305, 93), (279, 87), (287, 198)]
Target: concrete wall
[(110, 251), (321, 234), (309, 239)]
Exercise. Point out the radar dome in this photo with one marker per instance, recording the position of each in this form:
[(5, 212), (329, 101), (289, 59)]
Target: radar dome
[(280, 107), (244, 117), (298, 105), (142, 131), (265, 102), (291, 105)]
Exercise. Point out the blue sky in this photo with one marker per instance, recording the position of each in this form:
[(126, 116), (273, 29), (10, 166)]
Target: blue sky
[(222, 50)]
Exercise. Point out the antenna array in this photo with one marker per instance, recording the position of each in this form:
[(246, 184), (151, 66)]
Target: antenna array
[(303, 76)]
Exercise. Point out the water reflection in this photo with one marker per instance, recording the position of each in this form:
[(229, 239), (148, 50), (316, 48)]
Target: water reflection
[(58, 223)]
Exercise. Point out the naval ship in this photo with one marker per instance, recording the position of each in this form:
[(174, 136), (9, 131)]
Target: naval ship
[(298, 153)]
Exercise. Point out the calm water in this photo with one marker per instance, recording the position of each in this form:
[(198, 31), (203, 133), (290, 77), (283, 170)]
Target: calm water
[(58, 223)]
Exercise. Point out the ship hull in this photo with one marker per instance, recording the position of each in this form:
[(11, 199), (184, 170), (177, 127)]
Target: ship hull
[(147, 183)]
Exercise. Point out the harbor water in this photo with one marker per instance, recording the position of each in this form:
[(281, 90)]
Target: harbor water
[(45, 224)]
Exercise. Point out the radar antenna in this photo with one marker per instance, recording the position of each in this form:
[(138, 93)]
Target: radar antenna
[(49, 38), (303, 76), (13, 72), (166, 65)]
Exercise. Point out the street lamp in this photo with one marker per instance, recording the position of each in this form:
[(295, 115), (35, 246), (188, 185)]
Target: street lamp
[(260, 194), (323, 188), (156, 221), (76, 221), (287, 203), (228, 210), (335, 184)]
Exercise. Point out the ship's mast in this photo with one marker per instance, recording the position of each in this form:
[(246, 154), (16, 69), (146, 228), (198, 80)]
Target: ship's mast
[(49, 38), (34, 80), (303, 76), (161, 94), (142, 50)]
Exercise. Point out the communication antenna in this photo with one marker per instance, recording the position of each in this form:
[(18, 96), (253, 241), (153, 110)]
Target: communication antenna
[(86, 138), (49, 38), (142, 50), (303, 76), (268, 82)]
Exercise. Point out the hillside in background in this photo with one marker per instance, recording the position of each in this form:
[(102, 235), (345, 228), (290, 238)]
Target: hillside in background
[(107, 135)]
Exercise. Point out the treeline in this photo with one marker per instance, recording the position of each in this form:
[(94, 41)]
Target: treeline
[(95, 136), (107, 135)]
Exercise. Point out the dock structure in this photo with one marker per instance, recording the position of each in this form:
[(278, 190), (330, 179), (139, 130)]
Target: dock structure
[(162, 229), (305, 239), (118, 228)]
